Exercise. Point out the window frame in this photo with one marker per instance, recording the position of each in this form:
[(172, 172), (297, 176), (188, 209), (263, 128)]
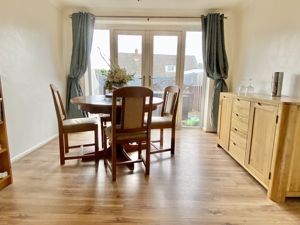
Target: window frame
[(130, 25)]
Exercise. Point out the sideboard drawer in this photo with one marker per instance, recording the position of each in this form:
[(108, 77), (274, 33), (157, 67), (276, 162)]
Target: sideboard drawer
[(240, 117), (241, 107), (239, 125), (238, 140)]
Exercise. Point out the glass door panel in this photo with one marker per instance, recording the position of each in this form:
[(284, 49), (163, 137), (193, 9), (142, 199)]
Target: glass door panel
[(129, 55), (164, 68), (192, 81)]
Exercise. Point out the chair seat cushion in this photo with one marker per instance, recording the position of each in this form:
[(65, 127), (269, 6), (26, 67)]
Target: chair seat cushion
[(80, 123), (161, 122), (125, 136)]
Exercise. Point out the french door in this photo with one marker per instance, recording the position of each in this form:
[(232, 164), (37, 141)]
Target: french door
[(158, 59), (152, 55)]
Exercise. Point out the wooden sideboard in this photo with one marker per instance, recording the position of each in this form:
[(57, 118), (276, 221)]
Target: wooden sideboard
[(262, 133)]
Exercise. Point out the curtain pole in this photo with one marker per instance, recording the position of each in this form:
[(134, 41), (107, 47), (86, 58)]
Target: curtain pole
[(152, 17)]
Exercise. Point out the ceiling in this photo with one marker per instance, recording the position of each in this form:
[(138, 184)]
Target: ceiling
[(149, 4)]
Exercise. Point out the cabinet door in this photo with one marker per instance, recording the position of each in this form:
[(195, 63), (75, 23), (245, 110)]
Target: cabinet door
[(225, 107), (260, 146)]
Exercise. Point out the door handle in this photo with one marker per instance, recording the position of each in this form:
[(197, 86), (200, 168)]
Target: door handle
[(142, 77)]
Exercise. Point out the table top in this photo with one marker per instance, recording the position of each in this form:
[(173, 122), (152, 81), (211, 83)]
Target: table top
[(100, 103)]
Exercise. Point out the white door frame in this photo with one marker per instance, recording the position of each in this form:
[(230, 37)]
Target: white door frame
[(178, 52), (114, 48)]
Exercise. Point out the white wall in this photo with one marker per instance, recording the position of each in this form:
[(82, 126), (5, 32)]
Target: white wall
[(268, 40), (30, 59)]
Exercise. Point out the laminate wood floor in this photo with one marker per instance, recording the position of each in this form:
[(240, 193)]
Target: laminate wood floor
[(201, 184)]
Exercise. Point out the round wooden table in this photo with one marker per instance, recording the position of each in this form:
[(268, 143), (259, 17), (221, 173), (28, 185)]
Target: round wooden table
[(99, 104)]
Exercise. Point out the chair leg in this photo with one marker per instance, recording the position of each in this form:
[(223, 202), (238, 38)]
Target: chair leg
[(147, 172), (161, 138), (61, 149), (96, 145), (173, 141), (104, 153), (66, 141), (114, 161), (139, 149), (103, 138)]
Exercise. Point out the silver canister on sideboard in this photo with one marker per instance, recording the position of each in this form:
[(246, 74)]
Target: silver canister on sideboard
[(277, 80)]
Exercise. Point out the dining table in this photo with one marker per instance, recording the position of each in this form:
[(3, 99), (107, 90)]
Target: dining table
[(101, 104)]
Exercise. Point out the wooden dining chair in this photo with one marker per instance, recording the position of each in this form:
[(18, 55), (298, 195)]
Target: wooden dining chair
[(66, 126), (129, 108), (167, 118)]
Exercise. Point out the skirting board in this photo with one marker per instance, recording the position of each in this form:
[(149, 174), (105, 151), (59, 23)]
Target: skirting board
[(209, 130), (32, 149)]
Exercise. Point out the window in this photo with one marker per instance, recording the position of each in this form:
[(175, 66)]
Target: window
[(100, 59), (170, 68)]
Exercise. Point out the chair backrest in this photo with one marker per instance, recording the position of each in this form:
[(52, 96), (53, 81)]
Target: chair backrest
[(135, 112), (59, 107), (171, 97)]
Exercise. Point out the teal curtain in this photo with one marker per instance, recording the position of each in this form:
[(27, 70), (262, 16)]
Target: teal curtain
[(82, 32), (215, 58)]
